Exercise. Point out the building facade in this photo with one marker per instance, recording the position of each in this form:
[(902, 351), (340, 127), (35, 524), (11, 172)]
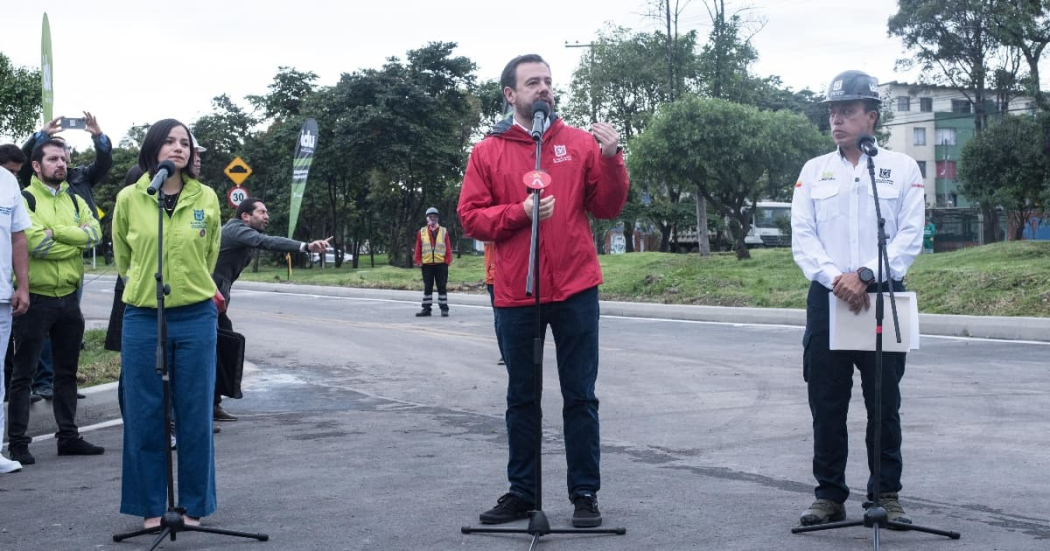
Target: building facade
[(932, 124)]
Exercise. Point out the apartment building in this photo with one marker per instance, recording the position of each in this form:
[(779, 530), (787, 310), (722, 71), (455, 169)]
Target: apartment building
[(932, 124)]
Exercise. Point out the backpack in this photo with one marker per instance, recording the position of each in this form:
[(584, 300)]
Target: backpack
[(31, 200)]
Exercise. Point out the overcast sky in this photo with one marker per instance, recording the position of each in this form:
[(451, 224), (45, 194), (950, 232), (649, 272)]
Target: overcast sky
[(131, 62)]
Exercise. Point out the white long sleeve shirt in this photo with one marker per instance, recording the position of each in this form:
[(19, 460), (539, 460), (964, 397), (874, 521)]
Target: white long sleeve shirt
[(834, 228)]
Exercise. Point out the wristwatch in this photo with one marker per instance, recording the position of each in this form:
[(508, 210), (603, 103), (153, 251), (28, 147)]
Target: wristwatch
[(866, 275)]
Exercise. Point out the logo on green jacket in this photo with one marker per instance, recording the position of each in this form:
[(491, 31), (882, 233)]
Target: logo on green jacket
[(198, 214)]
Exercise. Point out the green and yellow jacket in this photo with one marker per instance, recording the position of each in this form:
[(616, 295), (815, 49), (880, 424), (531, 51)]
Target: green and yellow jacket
[(191, 244), (56, 263)]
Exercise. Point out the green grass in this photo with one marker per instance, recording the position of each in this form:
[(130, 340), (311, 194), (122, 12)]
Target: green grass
[(1004, 279), (97, 365)]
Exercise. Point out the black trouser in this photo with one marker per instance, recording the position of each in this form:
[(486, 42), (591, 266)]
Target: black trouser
[(829, 374), (59, 318), (224, 323), (438, 273)]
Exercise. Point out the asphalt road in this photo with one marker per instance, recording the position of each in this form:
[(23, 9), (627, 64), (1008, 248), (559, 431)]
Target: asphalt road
[(367, 428)]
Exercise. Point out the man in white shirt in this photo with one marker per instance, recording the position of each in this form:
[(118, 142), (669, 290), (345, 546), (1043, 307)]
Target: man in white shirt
[(834, 239), (14, 258)]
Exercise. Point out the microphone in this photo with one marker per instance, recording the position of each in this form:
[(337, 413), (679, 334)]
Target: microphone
[(867, 145), (540, 111), (165, 169)]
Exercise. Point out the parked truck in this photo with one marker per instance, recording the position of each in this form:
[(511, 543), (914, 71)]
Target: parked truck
[(766, 224)]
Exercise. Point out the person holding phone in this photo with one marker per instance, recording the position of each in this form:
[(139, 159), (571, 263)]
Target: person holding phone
[(82, 181), (191, 241)]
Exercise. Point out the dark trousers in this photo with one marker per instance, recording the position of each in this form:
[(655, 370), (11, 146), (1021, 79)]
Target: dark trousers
[(495, 314), (829, 375), (435, 273), (60, 319), (224, 323), (574, 324)]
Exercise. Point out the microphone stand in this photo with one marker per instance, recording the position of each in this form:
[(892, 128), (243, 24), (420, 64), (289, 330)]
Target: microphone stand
[(875, 517), (173, 520), (538, 524)]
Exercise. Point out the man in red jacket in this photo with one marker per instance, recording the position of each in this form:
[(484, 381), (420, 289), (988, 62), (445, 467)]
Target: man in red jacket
[(494, 205)]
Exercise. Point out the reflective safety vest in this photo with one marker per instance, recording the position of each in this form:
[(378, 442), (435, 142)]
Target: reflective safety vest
[(432, 253)]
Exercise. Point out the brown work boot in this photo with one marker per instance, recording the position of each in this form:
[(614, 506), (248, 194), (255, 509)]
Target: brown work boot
[(894, 510), (822, 511)]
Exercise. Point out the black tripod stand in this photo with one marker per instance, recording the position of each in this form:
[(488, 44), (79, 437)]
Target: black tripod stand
[(538, 524), (875, 517), (173, 520)]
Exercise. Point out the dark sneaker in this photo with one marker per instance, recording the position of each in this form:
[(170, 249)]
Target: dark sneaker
[(33, 398), (894, 511), (509, 507), (444, 313), (45, 393), (822, 511), (21, 454), (79, 447), (223, 415), (587, 514), (423, 313)]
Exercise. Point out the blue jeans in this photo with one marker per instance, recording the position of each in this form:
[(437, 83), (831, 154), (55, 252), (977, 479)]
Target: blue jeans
[(191, 364), (829, 374), (45, 370), (574, 324)]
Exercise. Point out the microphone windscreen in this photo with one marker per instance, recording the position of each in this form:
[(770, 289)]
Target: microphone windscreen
[(540, 106), (166, 165)]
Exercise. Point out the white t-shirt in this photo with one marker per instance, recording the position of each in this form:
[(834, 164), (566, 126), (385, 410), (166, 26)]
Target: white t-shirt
[(13, 218)]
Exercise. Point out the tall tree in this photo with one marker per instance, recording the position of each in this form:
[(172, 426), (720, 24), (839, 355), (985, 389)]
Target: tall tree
[(1025, 25), (222, 132), (955, 44), (625, 79), (19, 99), (722, 150), (1006, 166)]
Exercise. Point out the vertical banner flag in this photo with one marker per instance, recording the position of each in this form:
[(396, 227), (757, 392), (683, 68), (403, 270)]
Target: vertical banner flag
[(304, 157), (46, 82)]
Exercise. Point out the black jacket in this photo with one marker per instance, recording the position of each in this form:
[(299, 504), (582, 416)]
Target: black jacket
[(81, 179), (235, 252)]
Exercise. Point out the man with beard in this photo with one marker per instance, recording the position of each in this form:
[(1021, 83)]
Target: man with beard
[(62, 227), (242, 234), (588, 175)]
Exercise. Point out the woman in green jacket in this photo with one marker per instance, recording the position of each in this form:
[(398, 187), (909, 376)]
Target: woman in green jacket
[(191, 247)]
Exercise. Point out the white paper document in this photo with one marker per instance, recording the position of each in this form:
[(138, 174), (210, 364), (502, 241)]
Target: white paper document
[(851, 331)]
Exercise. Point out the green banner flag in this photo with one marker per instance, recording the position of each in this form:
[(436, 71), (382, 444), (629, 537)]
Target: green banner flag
[(304, 157), (46, 79)]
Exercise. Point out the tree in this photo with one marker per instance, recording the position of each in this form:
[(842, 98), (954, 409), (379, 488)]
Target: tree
[(1025, 26), (623, 82), (956, 44), (1005, 166), (20, 99), (726, 58), (723, 151)]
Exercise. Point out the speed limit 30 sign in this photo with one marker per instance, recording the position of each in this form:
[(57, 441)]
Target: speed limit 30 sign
[(236, 195)]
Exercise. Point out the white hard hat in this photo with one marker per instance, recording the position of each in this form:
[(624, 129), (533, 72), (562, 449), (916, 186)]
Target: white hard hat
[(196, 145)]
